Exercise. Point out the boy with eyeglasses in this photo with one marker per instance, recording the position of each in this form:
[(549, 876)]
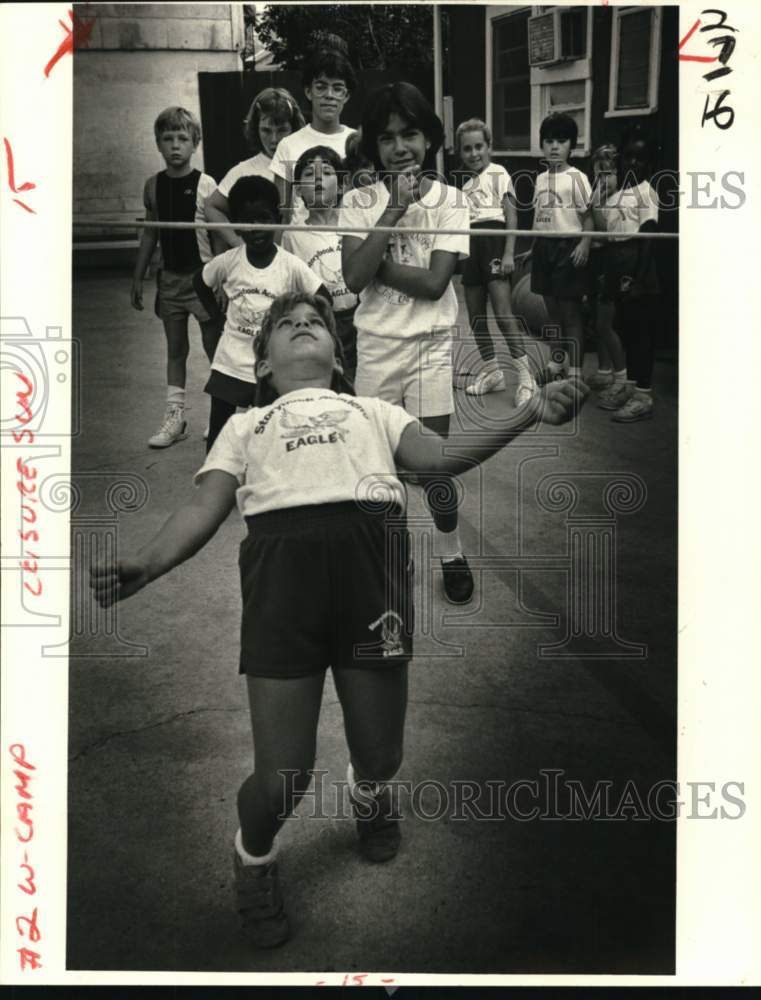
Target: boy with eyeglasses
[(328, 80)]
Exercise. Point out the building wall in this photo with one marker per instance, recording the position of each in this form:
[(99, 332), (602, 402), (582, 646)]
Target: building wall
[(141, 59)]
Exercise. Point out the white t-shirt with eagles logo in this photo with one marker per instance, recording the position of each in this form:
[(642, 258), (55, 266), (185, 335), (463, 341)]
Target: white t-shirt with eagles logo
[(322, 252), (486, 193), (629, 208), (311, 446), (385, 310), (250, 291), (561, 197)]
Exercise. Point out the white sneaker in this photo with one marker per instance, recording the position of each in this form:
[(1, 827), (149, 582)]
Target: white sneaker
[(525, 392), (174, 428), (639, 406), (493, 381)]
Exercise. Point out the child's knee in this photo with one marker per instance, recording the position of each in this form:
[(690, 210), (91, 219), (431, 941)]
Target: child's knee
[(379, 764)]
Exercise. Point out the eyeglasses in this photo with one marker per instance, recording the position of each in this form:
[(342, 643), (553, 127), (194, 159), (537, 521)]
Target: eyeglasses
[(321, 88)]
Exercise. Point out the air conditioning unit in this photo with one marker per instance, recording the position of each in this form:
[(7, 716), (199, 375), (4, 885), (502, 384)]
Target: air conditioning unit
[(545, 39), (558, 35)]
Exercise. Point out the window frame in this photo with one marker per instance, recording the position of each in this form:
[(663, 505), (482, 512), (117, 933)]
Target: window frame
[(493, 14), (653, 74), (539, 78)]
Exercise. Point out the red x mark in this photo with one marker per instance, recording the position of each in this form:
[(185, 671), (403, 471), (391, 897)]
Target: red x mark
[(77, 36), (27, 186), (687, 37)]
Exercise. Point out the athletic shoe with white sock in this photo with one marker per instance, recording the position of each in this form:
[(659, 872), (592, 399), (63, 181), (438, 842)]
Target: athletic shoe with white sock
[(258, 898), (639, 406), (173, 428), (488, 381), (377, 820), (260, 904), (600, 379), (525, 392), (614, 397)]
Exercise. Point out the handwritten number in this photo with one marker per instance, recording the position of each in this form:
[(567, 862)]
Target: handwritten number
[(721, 23), (722, 117)]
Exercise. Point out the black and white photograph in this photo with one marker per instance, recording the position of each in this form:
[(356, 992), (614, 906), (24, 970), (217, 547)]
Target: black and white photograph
[(372, 641)]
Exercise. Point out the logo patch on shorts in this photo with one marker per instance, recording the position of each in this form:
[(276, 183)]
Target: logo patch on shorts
[(391, 633), (495, 267)]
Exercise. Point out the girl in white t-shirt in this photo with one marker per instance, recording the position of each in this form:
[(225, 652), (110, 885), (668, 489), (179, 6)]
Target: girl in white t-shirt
[(251, 277), (486, 272), (273, 115), (407, 305), (610, 351), (631, 279), (325, 576), (318, 177)]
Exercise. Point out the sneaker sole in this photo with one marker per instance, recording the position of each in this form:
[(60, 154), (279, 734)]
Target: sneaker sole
[(632, 420), (498, 388), (603, 405), (182, 437)]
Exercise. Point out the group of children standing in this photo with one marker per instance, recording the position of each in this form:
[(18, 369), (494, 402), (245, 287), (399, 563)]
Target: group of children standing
[(316, 470)]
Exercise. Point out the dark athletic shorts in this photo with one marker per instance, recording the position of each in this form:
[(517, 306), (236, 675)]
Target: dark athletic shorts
[(234, 391), (552, 272), (485, 260), (621, 259), (325, 585)]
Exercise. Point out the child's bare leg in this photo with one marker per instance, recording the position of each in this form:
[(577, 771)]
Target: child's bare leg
[(610, 350), (211, 331), (177, 348), (573, 333), (284, 716), (374, 703), (440, 492), (475, 300)]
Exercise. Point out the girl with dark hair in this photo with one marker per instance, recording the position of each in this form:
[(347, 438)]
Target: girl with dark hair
[(407, 306), (631, 278)]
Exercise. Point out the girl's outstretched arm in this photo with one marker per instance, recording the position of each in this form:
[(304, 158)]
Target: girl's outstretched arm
[(421, 450), (186, 531)]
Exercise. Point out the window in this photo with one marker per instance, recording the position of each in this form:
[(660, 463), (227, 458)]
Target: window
[(518, 95), (510, 82), (635, 53)]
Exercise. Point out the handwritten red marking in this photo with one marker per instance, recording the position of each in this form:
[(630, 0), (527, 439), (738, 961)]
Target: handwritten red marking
[(27, 487), (357, 979), (687, 37), (26, 186), (78, 36), (29, 959), (27, 925)]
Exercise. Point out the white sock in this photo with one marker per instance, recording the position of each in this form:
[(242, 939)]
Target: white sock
[(447, 544), (619, 377), (374, 788), (524, 372), (251, 859), (604, 371), (648, 392), (175, 396)]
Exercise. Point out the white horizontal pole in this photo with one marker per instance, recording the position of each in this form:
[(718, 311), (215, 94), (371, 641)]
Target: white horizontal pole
[(350, 230)]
